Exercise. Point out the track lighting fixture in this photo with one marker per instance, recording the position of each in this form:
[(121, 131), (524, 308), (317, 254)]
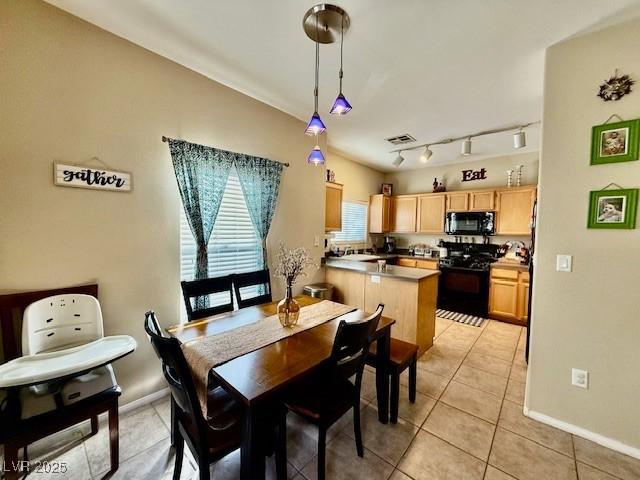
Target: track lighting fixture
[(519, 139), (426, 155), (466, 147), (398, 160)]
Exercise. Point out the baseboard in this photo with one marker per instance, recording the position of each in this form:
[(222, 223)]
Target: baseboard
[(584, 433), (146, 400)]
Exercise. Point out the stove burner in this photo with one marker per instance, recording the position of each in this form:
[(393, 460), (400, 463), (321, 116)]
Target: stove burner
[(474, 262)]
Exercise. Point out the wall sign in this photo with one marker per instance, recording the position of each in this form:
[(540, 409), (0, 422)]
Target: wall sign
[(471, 175), (91, 177)]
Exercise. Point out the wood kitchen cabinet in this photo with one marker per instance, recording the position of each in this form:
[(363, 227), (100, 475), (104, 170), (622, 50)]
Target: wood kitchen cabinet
[(514, 207), (431, 210), (403, 213), (379, 214), (458, 202), (428, 264), (406, 262), (483, 201), (333, 207), (509, 294)]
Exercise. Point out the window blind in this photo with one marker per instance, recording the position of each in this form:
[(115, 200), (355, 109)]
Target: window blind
[(354, 223)]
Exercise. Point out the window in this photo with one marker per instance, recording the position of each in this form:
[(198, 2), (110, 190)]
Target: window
[(233, 246), (354, 223)]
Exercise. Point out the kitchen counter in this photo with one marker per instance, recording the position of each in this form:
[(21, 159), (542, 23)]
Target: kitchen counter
[(513, 264), (406, 273)]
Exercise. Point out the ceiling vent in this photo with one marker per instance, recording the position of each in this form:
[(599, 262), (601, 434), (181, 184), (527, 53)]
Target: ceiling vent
[(400, 139)]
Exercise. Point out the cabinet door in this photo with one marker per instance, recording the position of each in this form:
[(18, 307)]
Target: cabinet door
[(333, 207), (406, 262), (523, 301), (457, 202), (379, 213), (503, 299), (403, 216), (514, 211), (482, 201), (427, 264), (431, 213)]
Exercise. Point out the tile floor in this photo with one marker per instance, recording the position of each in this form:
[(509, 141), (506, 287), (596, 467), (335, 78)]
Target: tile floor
[(467, 424)]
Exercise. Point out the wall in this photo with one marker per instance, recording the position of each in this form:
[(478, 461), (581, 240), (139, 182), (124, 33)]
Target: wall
[(421, 181), (71, 91), (586, 319), (359, 181)]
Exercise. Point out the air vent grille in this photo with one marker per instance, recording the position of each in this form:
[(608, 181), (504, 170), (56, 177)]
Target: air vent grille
[(400, 139)]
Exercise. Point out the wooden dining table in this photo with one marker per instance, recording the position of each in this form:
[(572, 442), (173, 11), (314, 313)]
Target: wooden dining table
[(258, 378)]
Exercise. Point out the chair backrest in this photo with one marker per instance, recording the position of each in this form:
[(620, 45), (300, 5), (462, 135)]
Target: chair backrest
[(175, 369), (351, 346), (261, 279), (201, 288), (61, 320)]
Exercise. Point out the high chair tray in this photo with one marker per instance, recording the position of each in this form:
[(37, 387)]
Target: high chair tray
[(43, 367)]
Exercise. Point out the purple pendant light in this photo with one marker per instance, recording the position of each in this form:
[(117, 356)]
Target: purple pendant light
[(316, 157), (315, 125), (341, 106)]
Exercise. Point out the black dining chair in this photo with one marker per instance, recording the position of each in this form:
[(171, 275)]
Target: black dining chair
[(260, 279), (207, 286), (325, 397), (220, 433)]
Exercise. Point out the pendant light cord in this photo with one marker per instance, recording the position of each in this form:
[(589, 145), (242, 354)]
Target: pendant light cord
[(315, 91), (341, 42)]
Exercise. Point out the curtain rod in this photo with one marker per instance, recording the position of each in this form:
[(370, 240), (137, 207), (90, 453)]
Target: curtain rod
[(477, 134), (166, 139)]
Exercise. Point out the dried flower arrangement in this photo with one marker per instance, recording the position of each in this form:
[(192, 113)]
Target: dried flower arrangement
[(292, 263)]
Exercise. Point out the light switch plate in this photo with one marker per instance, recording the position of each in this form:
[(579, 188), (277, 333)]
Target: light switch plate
[(564, 263), (579, 378)]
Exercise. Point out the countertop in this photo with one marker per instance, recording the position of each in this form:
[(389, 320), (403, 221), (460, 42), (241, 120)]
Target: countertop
[(513, 264), (407, 273)]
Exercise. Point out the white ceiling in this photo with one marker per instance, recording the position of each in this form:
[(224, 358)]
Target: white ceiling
[(431, 68)]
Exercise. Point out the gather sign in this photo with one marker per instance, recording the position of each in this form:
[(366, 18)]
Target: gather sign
[(90, 177)]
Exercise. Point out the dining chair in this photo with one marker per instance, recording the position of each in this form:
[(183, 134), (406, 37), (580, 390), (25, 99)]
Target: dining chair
[(204, 287), (213, 438), (402, 355), (323, 398), (259, 278)]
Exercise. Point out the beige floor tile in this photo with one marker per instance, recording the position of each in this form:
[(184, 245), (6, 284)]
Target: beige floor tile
[(504, 328), (427, 383), (607, 460), (163, 408), (229, 468), (512, 419), (488, 347), (527, 460), (485, 381), (441, 325), (465, 431), (368, 390), (585, 472), (447, 351), (519, 372), (431, 458), (456, 338), (493, 473), (488, 364), (139, 430), (473, 401), (444, 366), (417, 412), (156, 462), (69, 460), (344, 464), (398, 475), (515, 392), (388, 441), (522, 341)]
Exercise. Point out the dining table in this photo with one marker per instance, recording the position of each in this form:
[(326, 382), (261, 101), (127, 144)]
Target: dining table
[(258, 378)]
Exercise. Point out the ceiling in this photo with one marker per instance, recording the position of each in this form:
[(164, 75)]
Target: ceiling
[(434, 69)]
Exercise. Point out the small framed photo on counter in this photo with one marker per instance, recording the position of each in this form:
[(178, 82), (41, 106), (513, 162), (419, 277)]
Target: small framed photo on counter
[(615, 142), (613, 209), (387, 189)]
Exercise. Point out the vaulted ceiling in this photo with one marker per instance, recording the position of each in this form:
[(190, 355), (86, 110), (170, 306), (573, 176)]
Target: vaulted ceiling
[(431, 68)]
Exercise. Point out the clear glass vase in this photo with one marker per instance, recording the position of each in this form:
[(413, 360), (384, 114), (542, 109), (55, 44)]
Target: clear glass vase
[(288, 309)]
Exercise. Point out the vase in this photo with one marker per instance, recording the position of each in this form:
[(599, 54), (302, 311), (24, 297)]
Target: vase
[(288, 309)]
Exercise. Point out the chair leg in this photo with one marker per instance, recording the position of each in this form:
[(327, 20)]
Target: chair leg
[(179, 447), (413, 372), (395, 396), (322, 447), (94, 425), (203, 466), (11, 465), (174, 426), (281, 447), (114, 436), (357, 430)]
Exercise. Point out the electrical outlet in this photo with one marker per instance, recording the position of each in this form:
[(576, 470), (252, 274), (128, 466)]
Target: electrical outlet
[(579, 378), (316, 241), (564, 263), (375, 278)]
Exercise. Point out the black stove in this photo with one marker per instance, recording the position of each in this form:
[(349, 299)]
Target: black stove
[(470, 262)]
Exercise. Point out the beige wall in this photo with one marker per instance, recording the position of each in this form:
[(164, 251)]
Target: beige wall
[(586, 319), (359, 181), (71, 91)]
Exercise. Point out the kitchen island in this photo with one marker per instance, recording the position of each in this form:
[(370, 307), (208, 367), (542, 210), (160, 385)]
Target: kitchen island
[(408, 294)]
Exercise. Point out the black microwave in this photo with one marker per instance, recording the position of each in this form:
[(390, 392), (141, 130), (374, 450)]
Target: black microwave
[(470, 223)]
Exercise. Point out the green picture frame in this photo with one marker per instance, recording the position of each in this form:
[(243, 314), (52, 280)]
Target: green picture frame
[(613, 209), (615, 142)]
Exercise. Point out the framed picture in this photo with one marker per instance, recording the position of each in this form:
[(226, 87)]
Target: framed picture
[(387, 189), (613, 209), (615, 142)]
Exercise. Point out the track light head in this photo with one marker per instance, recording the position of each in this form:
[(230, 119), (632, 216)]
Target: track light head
[(466, 147), (519, 139), (426, 155), (398, 160)]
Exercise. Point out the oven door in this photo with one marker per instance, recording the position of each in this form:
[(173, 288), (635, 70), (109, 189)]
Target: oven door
[(470, 223), (464, 290)]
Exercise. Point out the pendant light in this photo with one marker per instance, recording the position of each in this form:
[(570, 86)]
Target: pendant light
[(315, 125), (466, 147), (426, 155), (341, 106), (316, 157), (519, 139)]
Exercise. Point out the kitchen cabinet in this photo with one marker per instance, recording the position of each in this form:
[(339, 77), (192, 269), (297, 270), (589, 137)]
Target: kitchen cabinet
[(406, 262), (348, 286), (333, 207), (514, 209), (509, 294), (428, 264), (403, 213), (431, 210), (458, 202), (483, 201), (379, 214)]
